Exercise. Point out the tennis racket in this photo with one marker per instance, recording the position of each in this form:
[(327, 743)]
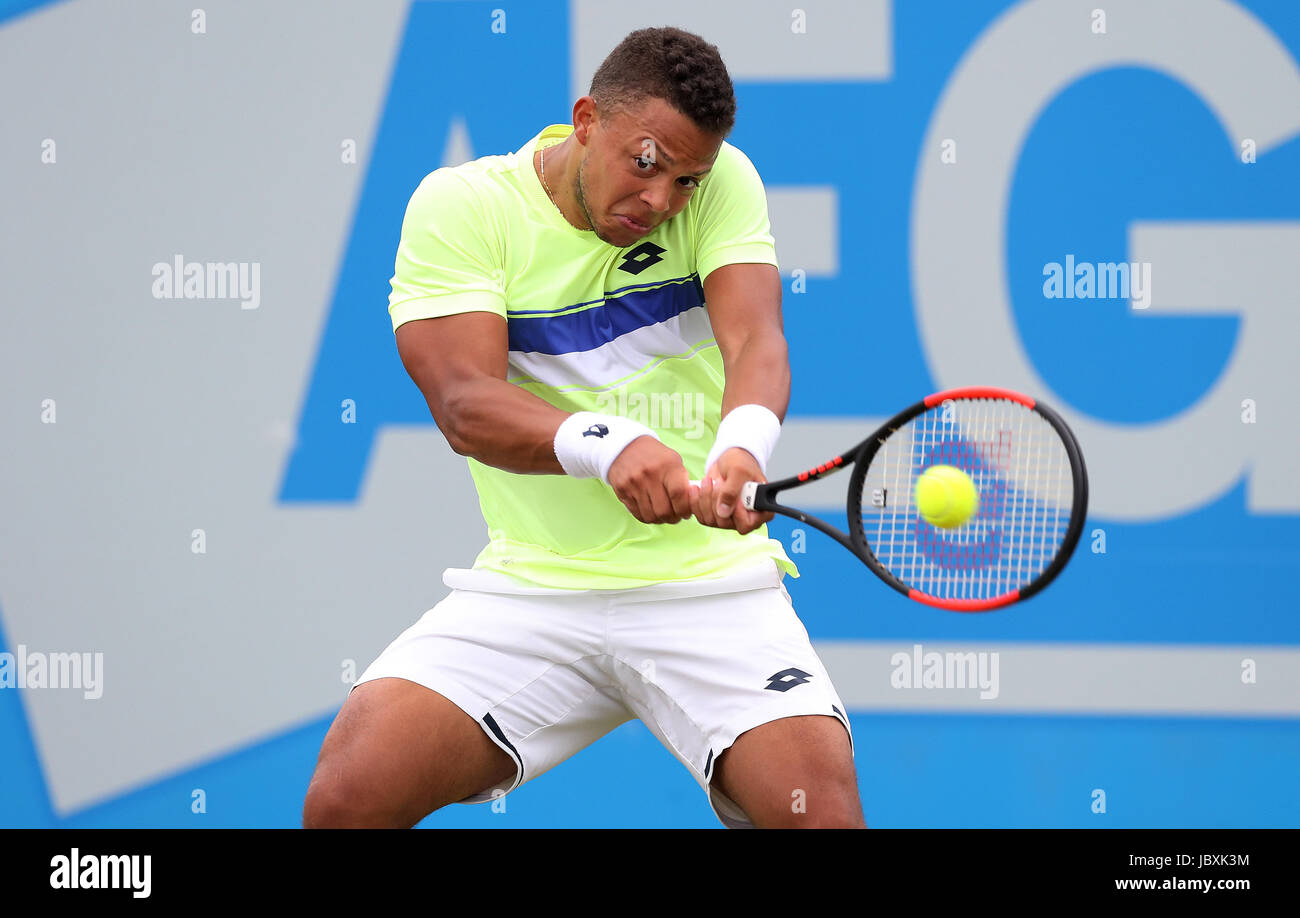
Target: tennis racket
[(1033, 496)]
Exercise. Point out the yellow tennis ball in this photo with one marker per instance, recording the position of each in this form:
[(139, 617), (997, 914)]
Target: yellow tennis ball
[(946, 496)]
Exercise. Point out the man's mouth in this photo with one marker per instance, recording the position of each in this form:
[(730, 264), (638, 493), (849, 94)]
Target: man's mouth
[(635, 225)]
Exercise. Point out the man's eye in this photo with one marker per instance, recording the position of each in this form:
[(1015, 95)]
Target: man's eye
[(693, 182), (644, 164)]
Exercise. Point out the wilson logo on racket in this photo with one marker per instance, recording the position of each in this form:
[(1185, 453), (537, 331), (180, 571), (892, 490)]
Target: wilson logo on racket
[(977, 544), (1031, 485)]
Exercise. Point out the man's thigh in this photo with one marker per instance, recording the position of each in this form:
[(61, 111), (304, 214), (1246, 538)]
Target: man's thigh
[(796, 772), (481, 680), (396, 752)]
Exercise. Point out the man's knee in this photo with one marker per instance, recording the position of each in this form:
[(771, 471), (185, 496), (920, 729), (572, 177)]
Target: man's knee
[(339, 803), (830, 801)]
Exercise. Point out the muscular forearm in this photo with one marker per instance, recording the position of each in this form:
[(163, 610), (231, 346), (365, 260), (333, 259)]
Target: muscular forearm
[(759, 374), (501, 425)]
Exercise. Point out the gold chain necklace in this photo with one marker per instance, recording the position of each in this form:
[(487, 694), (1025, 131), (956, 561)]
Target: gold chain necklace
[(548, 191), (546, 186)]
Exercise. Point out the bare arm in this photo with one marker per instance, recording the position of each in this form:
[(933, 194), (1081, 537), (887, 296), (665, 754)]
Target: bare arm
[(745, 312), (459, 364), (744, 302)]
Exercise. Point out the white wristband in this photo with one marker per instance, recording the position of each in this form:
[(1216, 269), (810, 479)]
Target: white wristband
[(753, 428), (588, 443)]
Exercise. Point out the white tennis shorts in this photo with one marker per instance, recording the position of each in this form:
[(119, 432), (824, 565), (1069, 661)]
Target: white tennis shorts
[(548, 672)]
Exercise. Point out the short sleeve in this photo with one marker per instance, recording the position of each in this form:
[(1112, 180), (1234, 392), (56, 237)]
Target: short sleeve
[(731, 225), (448, 260)]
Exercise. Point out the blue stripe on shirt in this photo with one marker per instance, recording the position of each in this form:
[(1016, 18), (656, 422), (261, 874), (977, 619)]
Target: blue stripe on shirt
[(590, 328)]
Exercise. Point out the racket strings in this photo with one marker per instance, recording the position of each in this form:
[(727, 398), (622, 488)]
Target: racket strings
[(1022, 473)]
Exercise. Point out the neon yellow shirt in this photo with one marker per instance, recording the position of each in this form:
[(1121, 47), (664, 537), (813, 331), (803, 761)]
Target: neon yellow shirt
[(591, 328)]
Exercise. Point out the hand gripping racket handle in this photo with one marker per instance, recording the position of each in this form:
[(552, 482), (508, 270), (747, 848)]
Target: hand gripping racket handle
[(748, 493)]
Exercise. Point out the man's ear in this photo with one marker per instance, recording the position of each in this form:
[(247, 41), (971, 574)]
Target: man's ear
[(584, 118)]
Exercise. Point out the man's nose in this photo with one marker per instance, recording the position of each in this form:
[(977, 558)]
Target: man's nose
[(657, 196)]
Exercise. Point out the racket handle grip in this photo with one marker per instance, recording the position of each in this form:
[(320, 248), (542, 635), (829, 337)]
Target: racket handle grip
[(747, 493)]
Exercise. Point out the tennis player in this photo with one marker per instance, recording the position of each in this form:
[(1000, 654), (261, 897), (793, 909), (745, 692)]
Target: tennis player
[(595, 321)]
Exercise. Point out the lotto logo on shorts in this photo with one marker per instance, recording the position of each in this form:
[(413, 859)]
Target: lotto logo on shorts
[(787, 679)]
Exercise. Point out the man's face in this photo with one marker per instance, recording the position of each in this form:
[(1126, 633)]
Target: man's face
[(639, 168)]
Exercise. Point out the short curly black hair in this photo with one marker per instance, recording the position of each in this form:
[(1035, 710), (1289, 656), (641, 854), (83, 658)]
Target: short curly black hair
[(667, 63)]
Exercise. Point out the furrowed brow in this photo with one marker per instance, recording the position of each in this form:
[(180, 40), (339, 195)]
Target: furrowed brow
[(660, 154)]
